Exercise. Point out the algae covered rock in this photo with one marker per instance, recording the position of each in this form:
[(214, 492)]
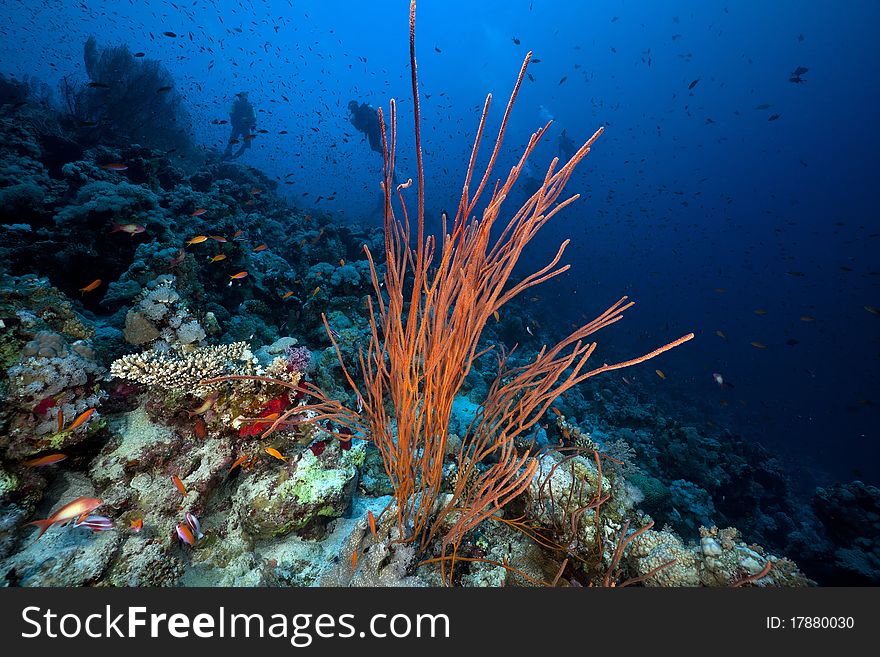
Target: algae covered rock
[(301, 495)]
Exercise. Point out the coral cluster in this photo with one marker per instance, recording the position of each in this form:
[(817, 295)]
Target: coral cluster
[(121, 293), (171, 368)]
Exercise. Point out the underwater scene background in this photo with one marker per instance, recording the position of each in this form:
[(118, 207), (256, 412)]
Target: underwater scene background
[(145, 248)]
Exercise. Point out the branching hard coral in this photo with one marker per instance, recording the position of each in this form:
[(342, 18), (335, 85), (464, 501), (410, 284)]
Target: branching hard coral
[(174, 369), (426, 324)]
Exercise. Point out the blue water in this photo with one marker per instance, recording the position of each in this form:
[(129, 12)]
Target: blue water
[(693, 202)]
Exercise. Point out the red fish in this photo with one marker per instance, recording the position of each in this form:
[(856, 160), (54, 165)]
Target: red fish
[(238, 462), (49, 459), (81, 506), (131, 229), (201, 429), (94, 285), (198, 212), (95, 523), (193, 523), (185, 534), (136, 525), (179, 484), (114, 166), (372, 521), (206, 405), (81, 420)]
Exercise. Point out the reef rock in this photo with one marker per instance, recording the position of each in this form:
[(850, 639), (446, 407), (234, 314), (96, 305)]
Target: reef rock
[(299, 496)]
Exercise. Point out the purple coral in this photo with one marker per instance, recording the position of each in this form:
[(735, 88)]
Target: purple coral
[(299, 359)]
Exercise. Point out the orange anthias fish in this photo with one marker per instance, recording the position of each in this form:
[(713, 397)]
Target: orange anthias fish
[(198, 239), (287, 295), (94, 285), (49, 459), (131, 229), (661, 374), (136, 525), (372, 521), (354, 559), (239, 275), (238, 462), (198, 212), (271, 451), (201, 429), (261, 247), (114, 166), (218, 257), (316, 290), (185, 534), (179, 484), (206, 405), (218, 238), (81, 420), (81, 506)]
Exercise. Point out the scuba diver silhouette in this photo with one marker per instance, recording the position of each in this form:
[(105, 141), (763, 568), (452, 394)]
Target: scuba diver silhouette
[(365, 119), (566, 146), (243, 120)]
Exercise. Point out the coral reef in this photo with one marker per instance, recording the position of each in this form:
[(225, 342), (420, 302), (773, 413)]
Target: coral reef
[(120, 297)]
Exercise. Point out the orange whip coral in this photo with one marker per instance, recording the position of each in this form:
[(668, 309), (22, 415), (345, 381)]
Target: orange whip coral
[(425, 325)]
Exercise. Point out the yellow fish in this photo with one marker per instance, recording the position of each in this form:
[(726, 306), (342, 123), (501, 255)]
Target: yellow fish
[(271, 451)]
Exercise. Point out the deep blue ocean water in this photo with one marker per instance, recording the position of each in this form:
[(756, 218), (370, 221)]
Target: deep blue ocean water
[(694, 202)]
